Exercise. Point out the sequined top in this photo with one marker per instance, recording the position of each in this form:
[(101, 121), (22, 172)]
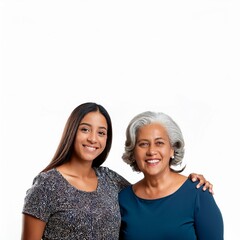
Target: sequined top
[(74, 214)]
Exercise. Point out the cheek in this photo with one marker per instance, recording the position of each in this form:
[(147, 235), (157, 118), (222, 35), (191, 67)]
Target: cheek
[(139, 155), (77, 144), (80, 136), (103, 142), (135, 153), (77, 139), (168, 153)]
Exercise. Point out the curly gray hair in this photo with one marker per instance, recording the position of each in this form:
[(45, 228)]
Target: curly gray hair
[(173, 131)]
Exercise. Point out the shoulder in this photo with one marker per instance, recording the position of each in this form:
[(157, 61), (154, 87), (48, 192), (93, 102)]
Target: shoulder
[(46, 175), (42, 195), (126, 196), (111, 177), (189, 187), (46, 179), (125, 191), (105, 171), (189, 184)]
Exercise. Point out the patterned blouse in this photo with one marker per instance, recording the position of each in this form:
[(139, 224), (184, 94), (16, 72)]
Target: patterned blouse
[(74, 214)]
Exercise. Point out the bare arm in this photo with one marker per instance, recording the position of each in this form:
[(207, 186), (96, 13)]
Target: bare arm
[(32, 228), (202, 181)]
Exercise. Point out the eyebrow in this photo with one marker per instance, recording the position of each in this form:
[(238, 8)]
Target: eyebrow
[(101, 127), (143, 139)]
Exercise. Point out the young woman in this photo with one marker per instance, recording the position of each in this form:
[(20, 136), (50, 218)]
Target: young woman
[(74, 197)]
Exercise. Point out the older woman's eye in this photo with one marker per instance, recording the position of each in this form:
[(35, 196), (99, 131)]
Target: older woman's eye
[(143, 144)]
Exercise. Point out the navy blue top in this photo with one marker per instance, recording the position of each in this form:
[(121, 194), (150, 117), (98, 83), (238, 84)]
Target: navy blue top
[(187, 214)]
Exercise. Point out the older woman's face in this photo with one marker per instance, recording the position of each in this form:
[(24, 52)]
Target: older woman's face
[(153, 150)]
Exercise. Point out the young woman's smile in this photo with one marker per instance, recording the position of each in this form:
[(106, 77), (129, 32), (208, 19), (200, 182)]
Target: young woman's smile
[(91, 137)]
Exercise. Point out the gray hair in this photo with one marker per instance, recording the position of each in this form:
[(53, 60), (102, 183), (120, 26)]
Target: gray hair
[(173, 131)]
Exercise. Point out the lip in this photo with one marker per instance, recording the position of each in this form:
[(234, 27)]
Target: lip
[(152, 161), (90, 148)]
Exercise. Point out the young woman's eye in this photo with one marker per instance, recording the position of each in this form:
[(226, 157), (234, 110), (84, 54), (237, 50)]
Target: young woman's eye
[(102, 133), (84, 129)]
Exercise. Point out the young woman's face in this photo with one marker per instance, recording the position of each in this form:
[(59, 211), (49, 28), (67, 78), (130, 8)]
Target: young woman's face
[(91, 137), (153, 150)]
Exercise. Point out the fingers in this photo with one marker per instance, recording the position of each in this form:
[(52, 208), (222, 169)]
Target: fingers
[(208, 186), (193, 177), (202, 182), (201, 179)]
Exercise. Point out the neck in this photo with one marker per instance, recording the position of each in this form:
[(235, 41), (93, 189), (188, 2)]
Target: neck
[(152, 187), (78, 169)]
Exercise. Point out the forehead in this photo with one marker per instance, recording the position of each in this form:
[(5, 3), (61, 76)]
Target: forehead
[(95, 118), (152, 129)]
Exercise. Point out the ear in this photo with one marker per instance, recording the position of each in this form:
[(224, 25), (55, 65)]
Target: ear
[(172, 152)]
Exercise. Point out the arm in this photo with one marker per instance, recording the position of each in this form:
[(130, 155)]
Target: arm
[(37, 208), (208, 218), (202, 181), (32, 228)]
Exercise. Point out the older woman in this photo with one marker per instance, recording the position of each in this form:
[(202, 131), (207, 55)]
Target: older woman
[(164, 204)]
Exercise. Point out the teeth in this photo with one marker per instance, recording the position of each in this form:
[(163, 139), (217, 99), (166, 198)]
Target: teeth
[(153, 161), (90, 148)]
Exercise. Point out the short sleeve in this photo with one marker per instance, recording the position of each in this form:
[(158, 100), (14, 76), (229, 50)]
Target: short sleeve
[(37, 201)]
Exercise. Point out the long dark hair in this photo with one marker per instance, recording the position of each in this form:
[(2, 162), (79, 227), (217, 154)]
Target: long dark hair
[(65, 147)]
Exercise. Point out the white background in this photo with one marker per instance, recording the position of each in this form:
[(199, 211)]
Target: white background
[(178, 57)]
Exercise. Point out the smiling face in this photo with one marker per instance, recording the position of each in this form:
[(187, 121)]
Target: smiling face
[(91, 137), (153, 150)]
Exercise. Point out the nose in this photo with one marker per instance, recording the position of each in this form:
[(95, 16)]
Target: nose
[(151, 151), (92, 137)]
